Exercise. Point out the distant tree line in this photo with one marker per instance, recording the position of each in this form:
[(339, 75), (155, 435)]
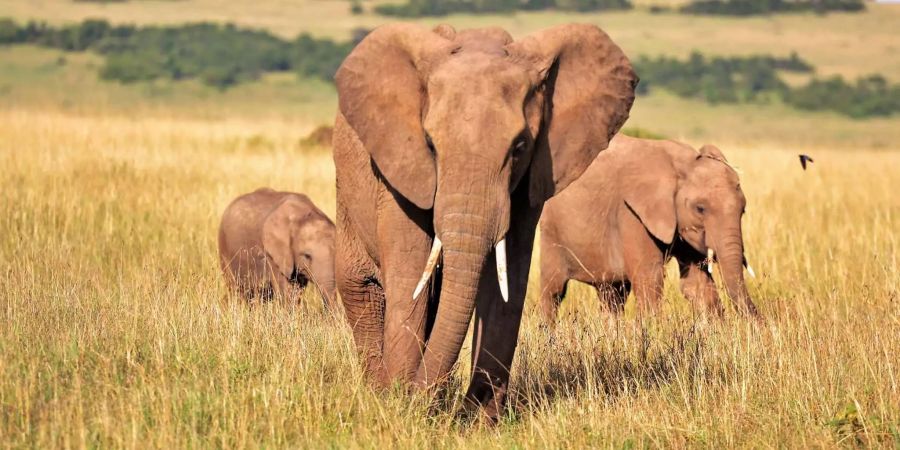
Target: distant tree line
[(871, 95), (218, 55), (717, 79), (760, 7), (224, 55), (756, 78), (421, 8)]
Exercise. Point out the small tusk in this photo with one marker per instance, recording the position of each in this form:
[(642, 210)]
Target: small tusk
[(749, 270), (710, 254), (500, 256), (429, 267)]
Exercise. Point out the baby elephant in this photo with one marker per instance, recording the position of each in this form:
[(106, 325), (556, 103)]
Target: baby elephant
[(274, 243), (640, 203)]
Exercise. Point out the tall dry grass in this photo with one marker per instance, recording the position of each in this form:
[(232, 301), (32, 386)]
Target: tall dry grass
[(116, 330)]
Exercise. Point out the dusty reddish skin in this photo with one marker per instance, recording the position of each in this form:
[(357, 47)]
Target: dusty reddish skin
[(276, 243), (499, 151), (638, 205)]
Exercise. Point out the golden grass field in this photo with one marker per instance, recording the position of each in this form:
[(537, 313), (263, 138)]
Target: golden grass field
[(116, 330)]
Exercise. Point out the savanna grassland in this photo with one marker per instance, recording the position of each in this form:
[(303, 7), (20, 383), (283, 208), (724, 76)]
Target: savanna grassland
[(116, 329)]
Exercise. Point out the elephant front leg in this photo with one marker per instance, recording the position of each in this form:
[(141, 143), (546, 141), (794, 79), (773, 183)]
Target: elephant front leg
[(553, 287), (404, 242), (363, 300), (644, 263), (497, 322), (698, 287)]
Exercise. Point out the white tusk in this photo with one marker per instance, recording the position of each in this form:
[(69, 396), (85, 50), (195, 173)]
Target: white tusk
[(500, 256), (429, 267), (710, 254), (750, 270)]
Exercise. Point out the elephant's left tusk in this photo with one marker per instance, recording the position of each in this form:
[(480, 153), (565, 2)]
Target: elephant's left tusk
[(501, 269), (710, 254), (429, 267)]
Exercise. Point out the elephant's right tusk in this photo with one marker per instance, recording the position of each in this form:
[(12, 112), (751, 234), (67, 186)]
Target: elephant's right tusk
[(502, 278), (710, 254), (749, 269), (429, 267)]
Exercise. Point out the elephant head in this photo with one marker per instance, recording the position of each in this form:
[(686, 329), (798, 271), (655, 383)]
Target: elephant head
[(299, 244), (697, 194), (455, 122)]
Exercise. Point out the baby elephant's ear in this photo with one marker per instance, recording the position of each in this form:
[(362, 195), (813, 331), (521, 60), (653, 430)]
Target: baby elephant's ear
[(276, 240), (649, 183), (711, 151)]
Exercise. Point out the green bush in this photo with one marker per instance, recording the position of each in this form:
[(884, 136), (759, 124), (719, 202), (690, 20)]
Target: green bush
[(758, 7), (755, 78), (218, 55), (717, 80), (421, 8), (870, 96), (133, 67), (9, 32)]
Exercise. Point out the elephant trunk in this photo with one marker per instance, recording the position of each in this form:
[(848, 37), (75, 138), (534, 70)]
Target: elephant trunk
[(730, 252), (324, 278), (468, 232)]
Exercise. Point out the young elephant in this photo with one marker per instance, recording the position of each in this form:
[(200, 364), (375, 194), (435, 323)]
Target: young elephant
[(274, 242), (640, 203)]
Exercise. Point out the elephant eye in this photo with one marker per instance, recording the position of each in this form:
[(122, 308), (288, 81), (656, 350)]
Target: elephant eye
[(700, 209), (520, 144)]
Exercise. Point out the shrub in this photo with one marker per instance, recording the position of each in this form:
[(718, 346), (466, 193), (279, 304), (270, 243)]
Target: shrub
[(718, 80), (132, 67), (870, 96), (9, 32), (420, 8), (757, 7), (218, 55)]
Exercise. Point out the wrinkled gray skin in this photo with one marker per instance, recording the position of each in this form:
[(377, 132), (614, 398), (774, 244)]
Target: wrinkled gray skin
[(459, 136), (640, 203), (274, 243)]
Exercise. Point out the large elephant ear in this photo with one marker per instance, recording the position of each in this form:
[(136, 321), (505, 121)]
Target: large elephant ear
[(381, 92), (648, 181), (588, 91)]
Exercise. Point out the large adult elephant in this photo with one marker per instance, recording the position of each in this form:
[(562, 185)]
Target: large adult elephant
[(446, 146)]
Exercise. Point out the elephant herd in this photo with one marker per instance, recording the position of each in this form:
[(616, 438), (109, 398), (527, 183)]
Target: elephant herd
[(448, 147)]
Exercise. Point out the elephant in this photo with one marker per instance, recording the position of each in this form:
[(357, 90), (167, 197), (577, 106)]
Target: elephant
[(274, 243), (639, 204), (446, 145)]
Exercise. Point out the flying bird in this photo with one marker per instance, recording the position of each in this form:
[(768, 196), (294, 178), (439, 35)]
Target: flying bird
[(804, 159)]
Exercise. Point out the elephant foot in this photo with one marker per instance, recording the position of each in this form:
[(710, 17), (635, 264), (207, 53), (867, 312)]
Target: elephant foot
[(486, 397)]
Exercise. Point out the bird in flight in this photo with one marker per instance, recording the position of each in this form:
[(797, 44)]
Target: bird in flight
[(804, 159)]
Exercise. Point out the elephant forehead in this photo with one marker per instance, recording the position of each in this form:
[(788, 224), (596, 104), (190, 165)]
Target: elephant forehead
[(713, 173), (479, 73)]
